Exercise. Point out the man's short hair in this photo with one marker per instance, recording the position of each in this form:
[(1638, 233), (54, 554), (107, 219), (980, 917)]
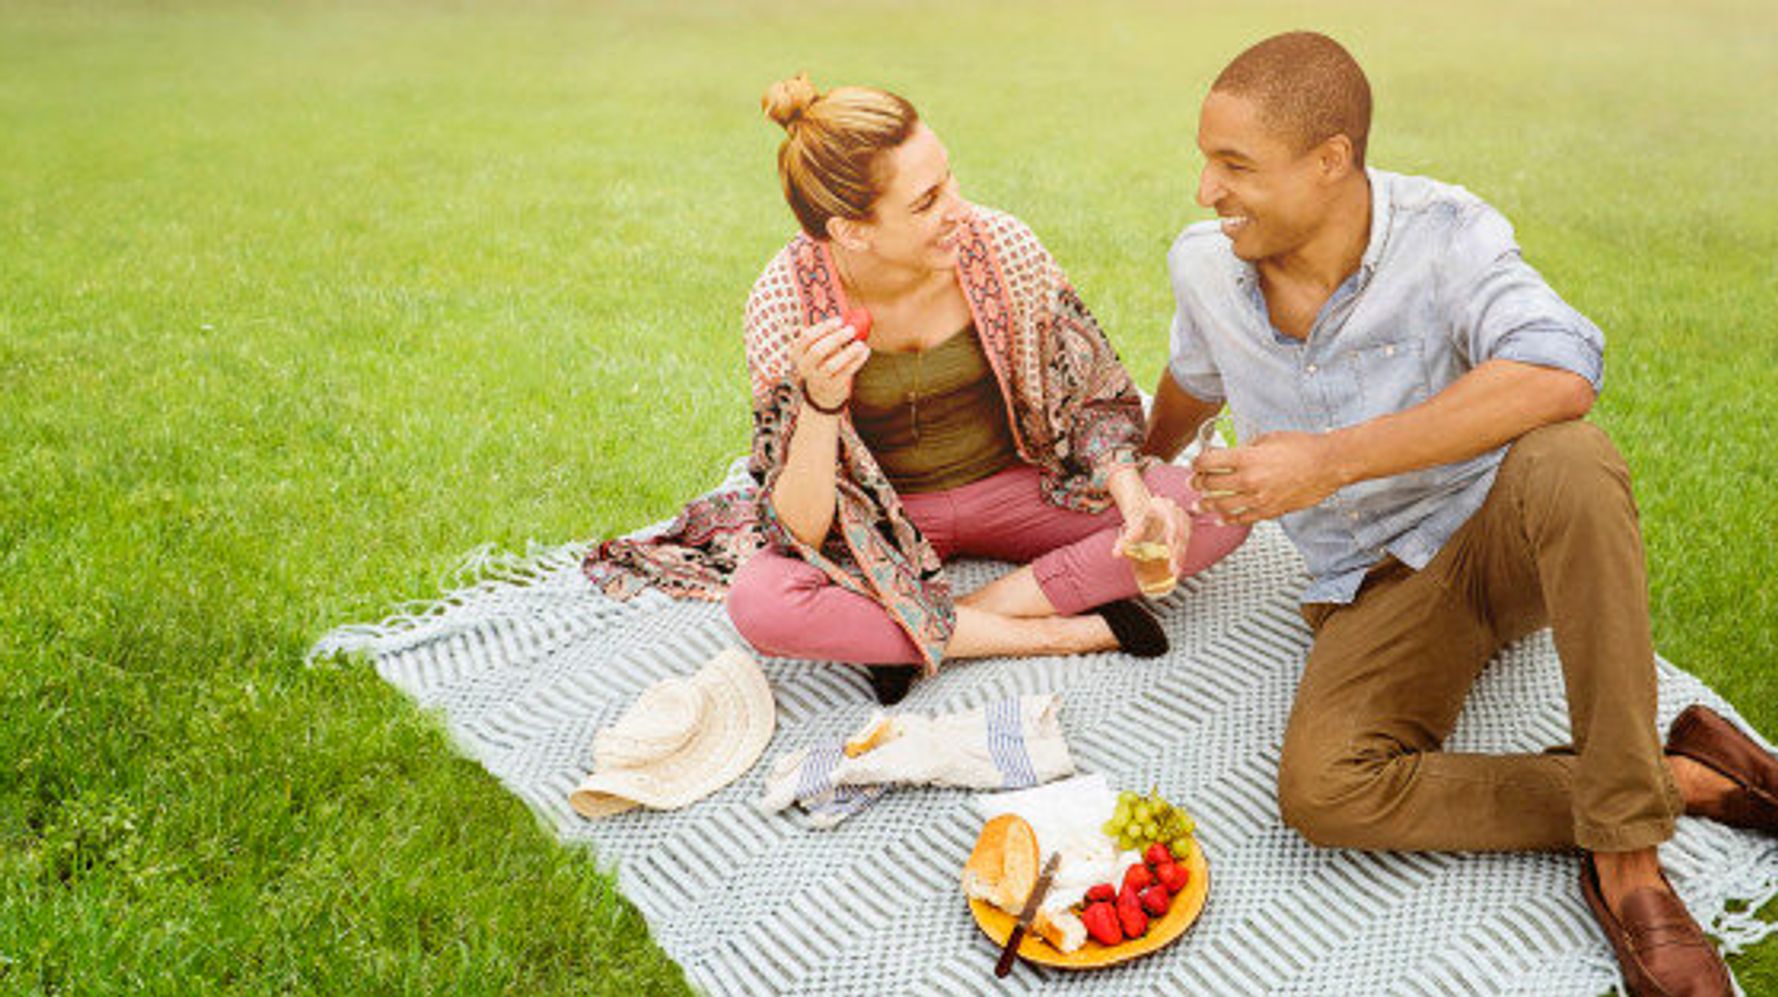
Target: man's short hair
[(1307, 86)]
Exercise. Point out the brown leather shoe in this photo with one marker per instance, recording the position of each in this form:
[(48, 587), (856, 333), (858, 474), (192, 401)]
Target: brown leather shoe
[(1703, 735), (1662, 951)]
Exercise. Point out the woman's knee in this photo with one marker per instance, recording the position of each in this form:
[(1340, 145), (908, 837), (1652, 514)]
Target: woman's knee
[(1211, 541), (761, 600), (1171, 480)]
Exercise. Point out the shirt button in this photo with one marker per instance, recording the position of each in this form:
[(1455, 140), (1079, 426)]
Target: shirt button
[(1389, 351), (1311, 368), (1353, 516)]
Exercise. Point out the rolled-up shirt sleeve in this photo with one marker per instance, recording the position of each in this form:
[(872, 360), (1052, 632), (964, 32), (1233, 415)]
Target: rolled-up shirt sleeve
[(1188, 354), (1502, 309)]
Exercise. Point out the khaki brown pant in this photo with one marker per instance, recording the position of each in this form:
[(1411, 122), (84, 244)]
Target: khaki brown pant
[(1557, 542)]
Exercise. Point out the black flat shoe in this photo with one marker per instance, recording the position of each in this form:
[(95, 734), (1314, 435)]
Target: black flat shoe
[(891, 682), (1137, 631)]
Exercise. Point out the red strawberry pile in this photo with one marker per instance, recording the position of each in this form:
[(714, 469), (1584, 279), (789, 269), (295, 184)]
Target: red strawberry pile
[(1113, 915)]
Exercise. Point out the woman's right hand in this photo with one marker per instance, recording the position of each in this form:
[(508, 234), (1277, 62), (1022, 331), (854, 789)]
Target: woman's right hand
[(827, 358)]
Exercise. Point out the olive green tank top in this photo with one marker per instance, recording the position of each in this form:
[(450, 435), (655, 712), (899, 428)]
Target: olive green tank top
[(934, 420)]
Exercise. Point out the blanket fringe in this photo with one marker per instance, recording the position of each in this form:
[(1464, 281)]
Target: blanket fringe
[(485, 570), (1739, 927)]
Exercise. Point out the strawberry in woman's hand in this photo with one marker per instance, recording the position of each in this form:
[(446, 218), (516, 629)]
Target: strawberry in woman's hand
[(860, 321)]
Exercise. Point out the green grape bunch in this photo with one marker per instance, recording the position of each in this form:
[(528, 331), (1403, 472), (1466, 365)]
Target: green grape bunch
[(1140, 821)]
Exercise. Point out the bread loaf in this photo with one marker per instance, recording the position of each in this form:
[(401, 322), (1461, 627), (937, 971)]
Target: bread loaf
[(1003, 867)]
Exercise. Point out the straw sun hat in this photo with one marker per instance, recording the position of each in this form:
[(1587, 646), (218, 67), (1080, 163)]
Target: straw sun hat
[(683, 739)]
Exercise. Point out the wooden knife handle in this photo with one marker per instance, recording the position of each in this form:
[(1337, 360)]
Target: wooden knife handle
[(1011, 952)]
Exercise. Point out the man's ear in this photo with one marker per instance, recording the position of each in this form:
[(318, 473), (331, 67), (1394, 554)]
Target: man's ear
[(847, 233), (1335, 158)]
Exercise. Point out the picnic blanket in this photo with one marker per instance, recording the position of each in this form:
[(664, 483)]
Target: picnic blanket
[(526, 661)]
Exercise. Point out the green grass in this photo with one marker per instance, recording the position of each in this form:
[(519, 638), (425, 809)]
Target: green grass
[(297, 304)]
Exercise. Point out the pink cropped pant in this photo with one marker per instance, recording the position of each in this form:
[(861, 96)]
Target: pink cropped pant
[(789, 608)]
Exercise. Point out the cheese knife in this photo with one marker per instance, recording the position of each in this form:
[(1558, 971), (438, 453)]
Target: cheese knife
[(1028, 915)]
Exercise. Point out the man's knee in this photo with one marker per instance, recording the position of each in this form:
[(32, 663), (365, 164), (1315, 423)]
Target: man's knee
[(1568, 449), (1334, 799), (1569, 465), (1309, 797)]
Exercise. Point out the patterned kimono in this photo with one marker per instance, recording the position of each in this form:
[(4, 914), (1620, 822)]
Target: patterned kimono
[(1075, 416)]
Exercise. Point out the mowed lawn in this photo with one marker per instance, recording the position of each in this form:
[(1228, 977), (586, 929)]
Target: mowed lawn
[(300, 302)]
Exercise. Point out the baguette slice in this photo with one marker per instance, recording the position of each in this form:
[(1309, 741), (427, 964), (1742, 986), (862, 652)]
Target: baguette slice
[(880, 729), (1003, 867), (1061, 928)]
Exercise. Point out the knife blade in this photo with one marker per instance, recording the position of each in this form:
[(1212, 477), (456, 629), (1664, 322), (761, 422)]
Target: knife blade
[(1028, 915)]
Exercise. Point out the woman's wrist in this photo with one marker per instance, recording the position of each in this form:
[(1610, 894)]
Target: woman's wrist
[(814, 403), (1128, 490)]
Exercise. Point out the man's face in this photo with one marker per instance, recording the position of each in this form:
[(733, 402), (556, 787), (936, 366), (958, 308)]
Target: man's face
[(1270, 195)]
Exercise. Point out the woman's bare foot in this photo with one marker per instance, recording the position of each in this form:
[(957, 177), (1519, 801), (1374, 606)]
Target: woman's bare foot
[(1015, 593), (981, 633)]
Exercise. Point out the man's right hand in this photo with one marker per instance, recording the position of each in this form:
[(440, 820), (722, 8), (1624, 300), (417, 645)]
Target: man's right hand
[(827, 358), (1276, 473)]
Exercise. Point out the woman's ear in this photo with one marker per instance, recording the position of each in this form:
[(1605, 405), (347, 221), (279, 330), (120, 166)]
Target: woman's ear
[(847, 233)]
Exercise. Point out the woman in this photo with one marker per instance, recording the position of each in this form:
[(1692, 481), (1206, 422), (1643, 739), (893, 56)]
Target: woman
[(984, 414)]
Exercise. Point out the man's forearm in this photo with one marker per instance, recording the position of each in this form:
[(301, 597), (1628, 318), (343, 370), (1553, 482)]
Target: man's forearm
[(1495, 403), (1174, 417)]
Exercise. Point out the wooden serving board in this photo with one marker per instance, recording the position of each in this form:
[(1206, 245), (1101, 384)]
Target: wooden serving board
[(1162, 931)]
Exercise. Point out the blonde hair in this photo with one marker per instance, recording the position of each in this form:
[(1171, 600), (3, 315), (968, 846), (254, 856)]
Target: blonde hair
[(829, 160)]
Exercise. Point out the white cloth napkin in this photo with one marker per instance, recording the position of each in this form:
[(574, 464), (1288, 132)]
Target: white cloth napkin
[(1068, 817), (1013, 743)]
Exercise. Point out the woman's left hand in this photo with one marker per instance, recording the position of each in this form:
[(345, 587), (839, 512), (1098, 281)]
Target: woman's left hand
[(1148, 517), (1161, 521)]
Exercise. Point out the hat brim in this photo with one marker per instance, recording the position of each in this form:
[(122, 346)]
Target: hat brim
[(729, 740)]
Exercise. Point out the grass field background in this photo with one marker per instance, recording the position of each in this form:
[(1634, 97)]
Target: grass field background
[(299, 302)]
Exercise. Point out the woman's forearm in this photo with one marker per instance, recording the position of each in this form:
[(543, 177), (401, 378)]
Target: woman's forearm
[(803, 496)]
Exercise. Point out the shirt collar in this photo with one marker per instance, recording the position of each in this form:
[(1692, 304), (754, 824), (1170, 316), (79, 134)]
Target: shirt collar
[(1381, 215)]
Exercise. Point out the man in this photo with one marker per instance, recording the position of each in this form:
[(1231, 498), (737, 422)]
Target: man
[(1407, 393)]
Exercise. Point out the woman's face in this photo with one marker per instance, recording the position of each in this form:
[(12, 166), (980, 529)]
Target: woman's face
[(919, 218)]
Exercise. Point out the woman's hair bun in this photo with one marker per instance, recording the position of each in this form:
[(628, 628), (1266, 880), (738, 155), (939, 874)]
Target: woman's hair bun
[(786, 100)]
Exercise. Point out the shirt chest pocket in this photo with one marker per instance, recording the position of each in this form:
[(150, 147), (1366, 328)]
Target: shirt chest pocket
[(1386, 377)]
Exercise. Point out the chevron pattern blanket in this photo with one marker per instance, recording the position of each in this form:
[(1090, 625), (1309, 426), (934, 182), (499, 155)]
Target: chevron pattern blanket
[(527, 662)]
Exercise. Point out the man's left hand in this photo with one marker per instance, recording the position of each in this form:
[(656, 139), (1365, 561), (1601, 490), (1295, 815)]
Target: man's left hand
[(1275, 474)]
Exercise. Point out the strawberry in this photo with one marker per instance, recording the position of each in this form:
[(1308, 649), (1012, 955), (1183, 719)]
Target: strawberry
[(1104, 891), (1156, 900), (1130, 915), (860, 321), (1102, 923), (1139, 877), (1173, 876), (1157, 854)]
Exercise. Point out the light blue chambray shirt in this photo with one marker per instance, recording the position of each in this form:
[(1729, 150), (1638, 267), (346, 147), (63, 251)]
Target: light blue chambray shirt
[(1441, 288)]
